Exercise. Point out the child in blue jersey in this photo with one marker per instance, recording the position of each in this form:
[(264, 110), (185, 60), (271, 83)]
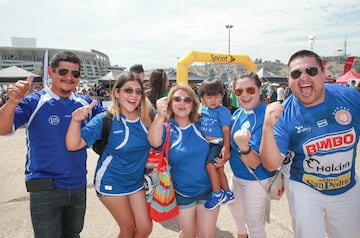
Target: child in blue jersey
[(314, 136), (187, 157), (214, 124), (119, 175), (55, 177)]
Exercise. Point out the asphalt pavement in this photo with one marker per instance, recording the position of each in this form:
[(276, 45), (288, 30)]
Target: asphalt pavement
[(15, 215)]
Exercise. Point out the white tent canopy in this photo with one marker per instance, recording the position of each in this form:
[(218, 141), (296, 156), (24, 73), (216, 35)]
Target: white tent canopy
[(263, 73), (14, 73), (268, 76), (108, 76), (109, 79)]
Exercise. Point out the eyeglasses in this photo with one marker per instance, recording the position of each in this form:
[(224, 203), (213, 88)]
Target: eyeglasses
[(249, 90), (187, 100), (312, 71), (63, 72), (138, 91)]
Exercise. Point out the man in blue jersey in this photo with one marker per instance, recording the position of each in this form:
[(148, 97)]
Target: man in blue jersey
[(55, 177), (314, 136)]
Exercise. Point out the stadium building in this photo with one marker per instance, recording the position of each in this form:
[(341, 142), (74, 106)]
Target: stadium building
[(94, 64)]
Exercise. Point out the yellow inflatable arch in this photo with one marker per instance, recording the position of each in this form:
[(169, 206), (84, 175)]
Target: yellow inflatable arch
[(211, 57)]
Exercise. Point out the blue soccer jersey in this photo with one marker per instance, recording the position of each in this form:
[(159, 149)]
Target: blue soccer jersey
[(252, 121), (120, 170), (320, 141), (46, 117), (187, 156), (212, 120)]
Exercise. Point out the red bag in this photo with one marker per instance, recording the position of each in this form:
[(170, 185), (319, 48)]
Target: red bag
[(159, 189)]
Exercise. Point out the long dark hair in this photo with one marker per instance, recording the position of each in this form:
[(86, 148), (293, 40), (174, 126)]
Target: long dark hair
[(158, 85)]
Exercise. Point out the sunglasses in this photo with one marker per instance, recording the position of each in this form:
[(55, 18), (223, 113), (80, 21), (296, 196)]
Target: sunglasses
[(312, 71), (138, 91), (187, 100), (75, 73), (249, 90)]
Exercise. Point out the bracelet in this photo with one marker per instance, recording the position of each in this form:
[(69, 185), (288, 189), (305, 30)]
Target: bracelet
[(245, 152)]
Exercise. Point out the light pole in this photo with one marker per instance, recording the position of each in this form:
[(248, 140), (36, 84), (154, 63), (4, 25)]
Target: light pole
[(339, 50), (229, 27), (311, 41)]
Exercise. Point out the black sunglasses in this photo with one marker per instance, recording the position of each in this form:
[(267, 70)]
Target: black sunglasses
[(63, 72), (129, 90), (312, 71), (187, 100), (249, 90)]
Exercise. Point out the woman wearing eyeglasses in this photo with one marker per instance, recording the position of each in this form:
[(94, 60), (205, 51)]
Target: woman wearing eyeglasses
[(250, 207), (119, 175), (187, 157)]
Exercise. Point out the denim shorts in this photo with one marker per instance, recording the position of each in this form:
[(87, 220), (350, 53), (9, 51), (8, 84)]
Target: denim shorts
[(186, 202), (214, 152)]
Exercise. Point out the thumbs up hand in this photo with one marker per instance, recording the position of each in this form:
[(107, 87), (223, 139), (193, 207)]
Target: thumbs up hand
[(19, 90), (83, 112)]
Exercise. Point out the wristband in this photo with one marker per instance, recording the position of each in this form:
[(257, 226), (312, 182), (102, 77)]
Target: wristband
[(245, 152)]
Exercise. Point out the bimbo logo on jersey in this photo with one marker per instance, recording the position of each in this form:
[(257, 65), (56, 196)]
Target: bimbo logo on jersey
[(330, 142)]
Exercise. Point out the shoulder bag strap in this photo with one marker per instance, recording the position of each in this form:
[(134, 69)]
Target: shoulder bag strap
[(105, 132), (250, 170), (167, 142), (253, 174)]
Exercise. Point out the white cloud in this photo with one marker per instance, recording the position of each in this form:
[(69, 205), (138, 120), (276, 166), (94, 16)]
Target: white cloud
[(155, 33)]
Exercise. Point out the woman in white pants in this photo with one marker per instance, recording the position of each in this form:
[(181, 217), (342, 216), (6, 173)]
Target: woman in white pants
[(250, 207)]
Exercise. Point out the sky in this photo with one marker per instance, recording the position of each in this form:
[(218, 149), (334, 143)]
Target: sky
[(156, 33)]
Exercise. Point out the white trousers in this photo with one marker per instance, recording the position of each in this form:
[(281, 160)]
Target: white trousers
[(314, 213), (249, 206)]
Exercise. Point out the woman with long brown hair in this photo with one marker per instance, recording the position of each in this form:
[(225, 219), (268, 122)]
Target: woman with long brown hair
[(119, 175)]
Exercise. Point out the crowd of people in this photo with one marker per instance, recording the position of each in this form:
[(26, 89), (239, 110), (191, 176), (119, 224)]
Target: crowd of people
[(309, 130)]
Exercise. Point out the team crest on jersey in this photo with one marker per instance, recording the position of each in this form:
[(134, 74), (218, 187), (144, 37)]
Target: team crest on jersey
[(54, 120), (245, 125), (343, 116)]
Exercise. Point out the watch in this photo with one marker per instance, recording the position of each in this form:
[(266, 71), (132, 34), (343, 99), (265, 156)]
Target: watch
[(245, 152)]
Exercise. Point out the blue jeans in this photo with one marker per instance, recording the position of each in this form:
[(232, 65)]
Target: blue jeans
[(58, 213)]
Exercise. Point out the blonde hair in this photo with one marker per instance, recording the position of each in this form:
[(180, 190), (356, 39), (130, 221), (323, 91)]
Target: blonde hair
[(195, 101), (144, 109)]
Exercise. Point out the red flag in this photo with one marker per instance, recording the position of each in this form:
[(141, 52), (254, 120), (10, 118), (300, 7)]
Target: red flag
[(348, 64)]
